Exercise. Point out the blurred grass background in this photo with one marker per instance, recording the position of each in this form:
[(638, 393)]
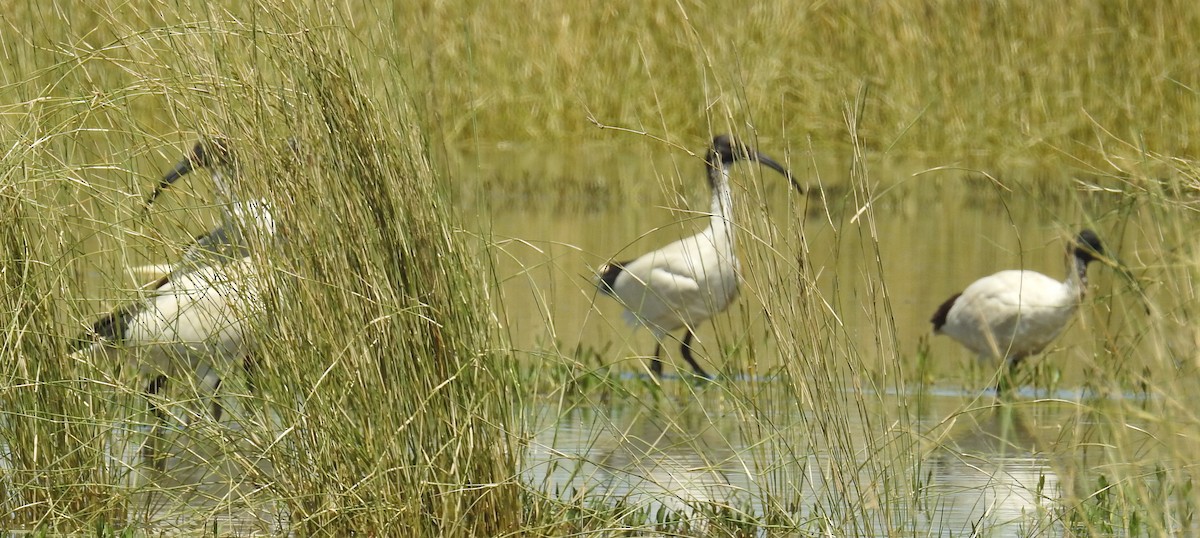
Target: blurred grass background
[(1019, 80)]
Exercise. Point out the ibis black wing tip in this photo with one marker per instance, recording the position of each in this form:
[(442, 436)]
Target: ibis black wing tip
[(608, 276), (110, 328), (939, 317)]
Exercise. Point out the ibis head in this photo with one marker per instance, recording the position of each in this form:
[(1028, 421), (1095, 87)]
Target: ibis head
[(1087, 246), (207, 153), (726, 150)]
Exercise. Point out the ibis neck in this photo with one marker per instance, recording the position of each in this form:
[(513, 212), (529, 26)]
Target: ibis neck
[(239, 215), (224, 190), (721, 216), (226, 199), (1077, 276)]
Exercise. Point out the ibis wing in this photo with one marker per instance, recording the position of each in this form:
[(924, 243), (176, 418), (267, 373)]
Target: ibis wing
[(170, 302), (660, 298), (201, 308), (114, 326), (673, 289)]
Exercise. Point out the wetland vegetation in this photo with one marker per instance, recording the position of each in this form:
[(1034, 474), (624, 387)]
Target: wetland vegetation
[(433, 360)]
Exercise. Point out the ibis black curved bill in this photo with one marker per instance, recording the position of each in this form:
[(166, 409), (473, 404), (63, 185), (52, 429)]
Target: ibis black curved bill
[(183, 168), (770, 163)]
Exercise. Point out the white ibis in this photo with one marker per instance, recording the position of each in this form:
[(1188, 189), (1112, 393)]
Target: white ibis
[(195, 317), (687, 282), (1014, 314)]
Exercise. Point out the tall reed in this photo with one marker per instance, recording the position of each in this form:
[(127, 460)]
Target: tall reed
[(381, 400)]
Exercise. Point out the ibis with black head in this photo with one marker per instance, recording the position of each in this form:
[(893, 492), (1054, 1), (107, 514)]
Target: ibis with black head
[(690, 280), (1017, 313), (195, 318)]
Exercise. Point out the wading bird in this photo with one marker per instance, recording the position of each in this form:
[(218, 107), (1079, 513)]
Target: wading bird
[(195, 318), (687, 282), (1017, 313)]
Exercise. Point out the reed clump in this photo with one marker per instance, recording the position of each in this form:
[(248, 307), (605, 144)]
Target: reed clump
[(381, 355), (379, 401), (53, 447)]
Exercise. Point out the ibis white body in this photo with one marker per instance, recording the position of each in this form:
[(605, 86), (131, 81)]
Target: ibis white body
[(690, 280), (192, 322), (1012, 314), (195, 319), (684, 283), (1017, 313)]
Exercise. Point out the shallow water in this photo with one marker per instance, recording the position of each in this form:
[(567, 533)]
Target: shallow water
[(967, 461), (990, 471)]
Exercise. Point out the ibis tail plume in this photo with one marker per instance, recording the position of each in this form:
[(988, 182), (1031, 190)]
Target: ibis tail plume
[(687, 282)]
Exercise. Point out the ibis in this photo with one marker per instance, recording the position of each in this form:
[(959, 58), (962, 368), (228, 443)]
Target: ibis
[(1017, 313), (688, 281), (195, 318)]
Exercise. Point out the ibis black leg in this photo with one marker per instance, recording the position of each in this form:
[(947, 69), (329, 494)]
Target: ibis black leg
[(1007, 377), (250, 366), (686, 349), (152, 389), (656, 363), (217, 408), (150, 450)]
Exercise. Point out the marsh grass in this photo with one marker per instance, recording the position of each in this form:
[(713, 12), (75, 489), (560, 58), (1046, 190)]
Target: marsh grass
[(1028, 80), (388, 396), (379, 402)]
